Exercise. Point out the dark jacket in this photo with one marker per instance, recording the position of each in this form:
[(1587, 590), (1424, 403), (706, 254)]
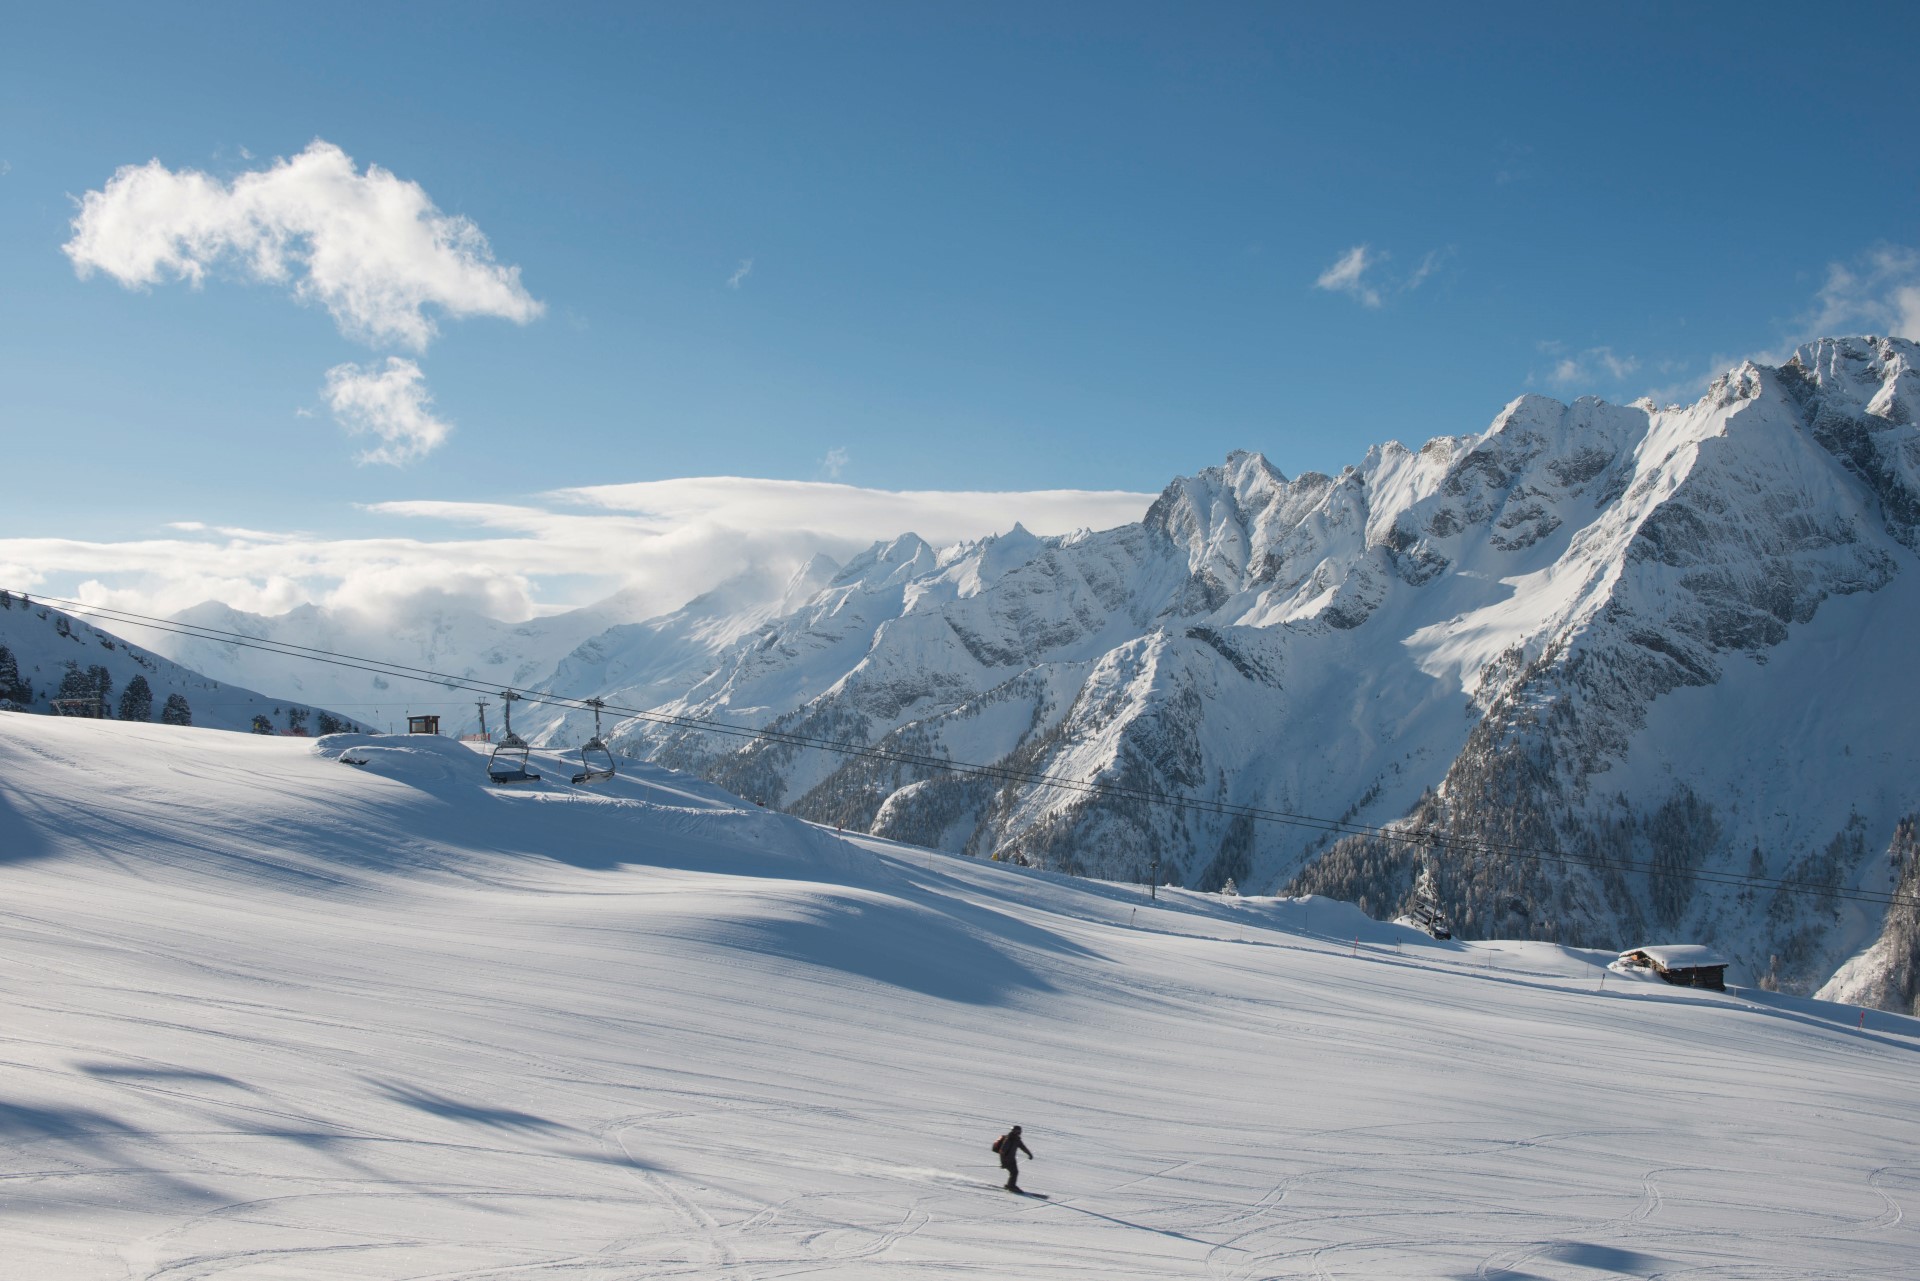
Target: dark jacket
[(1009, 1144)]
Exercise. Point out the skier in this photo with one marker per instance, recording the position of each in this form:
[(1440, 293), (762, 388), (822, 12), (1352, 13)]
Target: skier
[(1006, 1145)]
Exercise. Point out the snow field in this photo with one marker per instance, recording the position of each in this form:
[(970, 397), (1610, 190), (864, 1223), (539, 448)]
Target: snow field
[(270, 1016)]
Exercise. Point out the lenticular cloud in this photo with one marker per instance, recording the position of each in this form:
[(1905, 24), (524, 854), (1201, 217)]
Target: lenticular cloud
[(370, 248)]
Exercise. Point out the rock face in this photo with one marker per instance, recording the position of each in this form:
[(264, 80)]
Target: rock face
[(1887, 975)]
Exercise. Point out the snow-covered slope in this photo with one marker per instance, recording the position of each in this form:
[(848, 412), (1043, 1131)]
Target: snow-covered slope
[(270, 1015), (56, 655)]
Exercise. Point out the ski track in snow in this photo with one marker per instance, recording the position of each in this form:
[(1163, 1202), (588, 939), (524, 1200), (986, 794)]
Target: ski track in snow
[(273, 1018)]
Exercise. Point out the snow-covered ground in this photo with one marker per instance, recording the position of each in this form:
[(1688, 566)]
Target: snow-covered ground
[(268, 1015)]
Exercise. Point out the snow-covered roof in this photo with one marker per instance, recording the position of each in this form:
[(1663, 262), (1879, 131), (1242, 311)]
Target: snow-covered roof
[(1678, 956)]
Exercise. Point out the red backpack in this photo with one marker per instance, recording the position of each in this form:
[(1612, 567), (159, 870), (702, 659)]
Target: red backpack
[(997, 1142)]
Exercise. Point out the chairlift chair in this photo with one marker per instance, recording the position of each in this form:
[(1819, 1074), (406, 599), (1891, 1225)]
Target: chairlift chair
[(508, 764), (596, 761)]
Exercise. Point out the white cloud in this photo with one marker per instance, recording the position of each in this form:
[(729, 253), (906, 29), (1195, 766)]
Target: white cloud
[(1586, 367), (664, 540), (389, 402), (860, 515), (371, 248), (1427, 266), (1360, 273), (1348, 276), (834, 463), (1617, 366), (740, 273), (1878, 293)]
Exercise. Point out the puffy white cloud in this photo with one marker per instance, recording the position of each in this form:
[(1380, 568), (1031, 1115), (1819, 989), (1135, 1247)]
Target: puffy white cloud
[(664, 541), (740, 273), (390, 402), (369, 247), (1348, 276), (834, 463)]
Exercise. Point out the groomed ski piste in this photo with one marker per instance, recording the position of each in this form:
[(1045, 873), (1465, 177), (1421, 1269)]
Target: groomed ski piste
[(269, 1015)]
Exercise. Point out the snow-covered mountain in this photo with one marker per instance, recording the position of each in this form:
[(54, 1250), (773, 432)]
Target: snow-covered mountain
[(659, 658), (1627, 634), (48, 655), (1654, 643)]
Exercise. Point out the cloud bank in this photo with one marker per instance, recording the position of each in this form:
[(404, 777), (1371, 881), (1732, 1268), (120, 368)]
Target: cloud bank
[(664, 541), (369, 247)]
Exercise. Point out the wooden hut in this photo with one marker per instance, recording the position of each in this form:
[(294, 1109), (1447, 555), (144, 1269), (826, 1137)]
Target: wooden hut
[(423, 724), (1682, 964)]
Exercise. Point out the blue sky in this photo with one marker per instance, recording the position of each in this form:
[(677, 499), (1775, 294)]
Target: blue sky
[(919, 247)]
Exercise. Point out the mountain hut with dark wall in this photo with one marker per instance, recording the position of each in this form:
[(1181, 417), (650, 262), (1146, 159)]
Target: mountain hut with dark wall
[(1682, 964)]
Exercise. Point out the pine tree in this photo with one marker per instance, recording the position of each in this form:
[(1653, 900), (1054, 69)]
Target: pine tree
[(11, 686), (297, 719), (1230, 889), (136, 701), (100, 685), (176, 711), (74, 683), (261, 725), (328, 723)]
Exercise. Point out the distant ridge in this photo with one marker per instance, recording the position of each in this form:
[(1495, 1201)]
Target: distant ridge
[(46, 644)]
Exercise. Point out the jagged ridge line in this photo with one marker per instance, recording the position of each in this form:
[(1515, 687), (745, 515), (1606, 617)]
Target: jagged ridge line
[(1310, 822)]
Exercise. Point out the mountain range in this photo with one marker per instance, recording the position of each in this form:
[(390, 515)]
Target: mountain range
[(1627, 667)]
